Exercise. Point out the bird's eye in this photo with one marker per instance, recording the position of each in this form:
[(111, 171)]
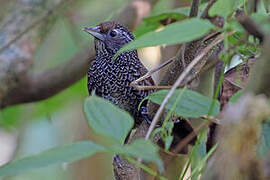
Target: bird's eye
[(113, 33)]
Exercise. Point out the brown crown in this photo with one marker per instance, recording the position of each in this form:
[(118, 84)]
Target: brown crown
[(106, 26)]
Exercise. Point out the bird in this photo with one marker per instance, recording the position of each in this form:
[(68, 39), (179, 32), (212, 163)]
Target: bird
[(111, 78)]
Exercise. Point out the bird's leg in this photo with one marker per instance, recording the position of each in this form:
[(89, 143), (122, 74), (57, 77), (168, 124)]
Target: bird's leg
[(117, 160)]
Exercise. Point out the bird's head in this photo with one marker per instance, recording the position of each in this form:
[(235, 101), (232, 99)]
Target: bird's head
[(109, 36)]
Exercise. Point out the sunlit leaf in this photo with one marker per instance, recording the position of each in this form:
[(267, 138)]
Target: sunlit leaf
[(57, 155), (107, 119), (179, 32), (191, 104)]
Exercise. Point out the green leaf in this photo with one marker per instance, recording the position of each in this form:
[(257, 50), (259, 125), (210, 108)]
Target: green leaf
[(236, 96), (262, 19), (224, 7), (168, 142), (199, 168), (191, 104), (175, 33), (198, 153), (57, 155), (145, 150), (145, 28), (107, 119), (152, 22), (178, 13)]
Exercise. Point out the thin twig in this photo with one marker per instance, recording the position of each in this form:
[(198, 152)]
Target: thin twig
[(206, 10), (149, 73), (34, 24), (180, 80), (209, 65), (188, 138)]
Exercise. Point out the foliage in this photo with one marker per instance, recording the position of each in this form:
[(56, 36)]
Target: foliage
[(57, 155), (105, 124)]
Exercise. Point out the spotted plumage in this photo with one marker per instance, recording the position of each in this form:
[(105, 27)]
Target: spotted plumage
[(110, 78)]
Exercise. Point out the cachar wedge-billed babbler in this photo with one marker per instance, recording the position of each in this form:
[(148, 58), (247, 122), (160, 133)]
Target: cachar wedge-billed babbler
[(111, 78)]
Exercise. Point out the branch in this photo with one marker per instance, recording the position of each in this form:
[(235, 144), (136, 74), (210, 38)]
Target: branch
[(249, 25), (38, 86), (34, 87), (206, 10), (34, 24), (194, 8)]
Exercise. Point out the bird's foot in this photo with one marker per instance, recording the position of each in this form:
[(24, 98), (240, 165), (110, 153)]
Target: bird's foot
[(118, 161)]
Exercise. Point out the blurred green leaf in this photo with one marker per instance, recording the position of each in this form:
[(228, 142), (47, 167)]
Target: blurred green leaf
[(263, 20), (55, 103), (191, 104), (145, 28), (198, 153), (168, 142), (178, 13), (224, 7), (107, 119), (199, 167), (162, 5), (233, 24), (178, 32), (153, 21), (10, 116), (145, 150), (236, 96), (57, 155)]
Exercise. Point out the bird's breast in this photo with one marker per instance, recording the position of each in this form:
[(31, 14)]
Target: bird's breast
[(112, 82)]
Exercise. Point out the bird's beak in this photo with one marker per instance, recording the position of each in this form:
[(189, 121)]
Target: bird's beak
[(94, 31)]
